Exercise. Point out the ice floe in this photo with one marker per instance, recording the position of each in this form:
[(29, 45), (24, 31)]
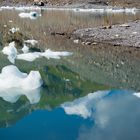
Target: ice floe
[(96, 10), (31, 41), (11, 51), (11, 77), (137, 94), (13, 30), (31, 56), (25, 48), (13, 54), (31, 15)]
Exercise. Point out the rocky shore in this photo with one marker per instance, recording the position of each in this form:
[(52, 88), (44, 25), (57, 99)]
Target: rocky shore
[(117, 35), (120, 3)]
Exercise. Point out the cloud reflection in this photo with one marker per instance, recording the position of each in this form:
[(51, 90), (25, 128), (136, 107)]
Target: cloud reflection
[(115, 116)]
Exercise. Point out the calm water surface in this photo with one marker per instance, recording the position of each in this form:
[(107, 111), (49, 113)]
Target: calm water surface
[(88, 95)]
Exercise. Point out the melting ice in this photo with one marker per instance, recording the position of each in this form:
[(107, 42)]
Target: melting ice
[(12, 77), (12, 53), (31, 15)]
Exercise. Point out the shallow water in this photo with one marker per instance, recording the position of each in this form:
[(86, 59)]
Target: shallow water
[(62, 107)]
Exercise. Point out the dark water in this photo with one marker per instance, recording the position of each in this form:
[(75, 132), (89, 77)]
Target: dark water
[(63, 109)]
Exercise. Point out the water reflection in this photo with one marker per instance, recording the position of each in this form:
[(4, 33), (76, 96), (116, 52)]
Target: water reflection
[(116, 118), (60, 85), (113, 115), (13, 95)]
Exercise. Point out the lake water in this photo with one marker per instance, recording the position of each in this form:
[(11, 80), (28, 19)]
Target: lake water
[(92, 94)]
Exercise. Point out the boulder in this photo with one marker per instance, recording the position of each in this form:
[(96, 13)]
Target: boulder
[(39, 3)]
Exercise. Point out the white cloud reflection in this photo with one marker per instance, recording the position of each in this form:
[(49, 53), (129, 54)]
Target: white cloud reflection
[(114, 116)]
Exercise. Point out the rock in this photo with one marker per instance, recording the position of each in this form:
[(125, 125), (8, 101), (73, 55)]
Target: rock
[(58, 33), (107, 27), (98, 2), (94, 43), (17, 37), (39, 3), (88, 43)]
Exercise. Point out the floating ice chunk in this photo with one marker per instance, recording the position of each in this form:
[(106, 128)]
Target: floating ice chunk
[(131, 10), (32, 81), (84, 106), (7, 7), (31, 15), (48, 54), (11, 51), (25, 49), (32, 42), (137, 94), (13, 30), (29, 56), (11, 77), (56, 55), (14, 83)]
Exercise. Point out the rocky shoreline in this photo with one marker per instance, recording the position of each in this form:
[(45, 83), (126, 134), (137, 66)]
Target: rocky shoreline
[(117, 35), (85, 3)]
